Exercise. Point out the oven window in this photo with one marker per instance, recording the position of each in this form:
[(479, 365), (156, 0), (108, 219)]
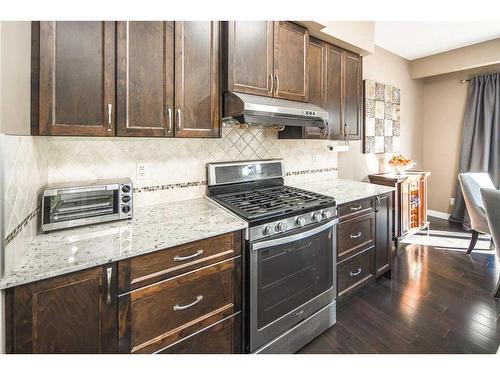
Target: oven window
[(291, 274), (83, 205)]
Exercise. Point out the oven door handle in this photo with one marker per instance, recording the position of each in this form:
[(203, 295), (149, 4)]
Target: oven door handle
[(295, 237)]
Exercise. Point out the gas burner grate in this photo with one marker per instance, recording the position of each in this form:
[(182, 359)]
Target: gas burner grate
[(271, 201)]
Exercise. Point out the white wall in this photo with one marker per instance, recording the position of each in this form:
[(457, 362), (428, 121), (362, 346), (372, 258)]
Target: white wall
[(15, 71)]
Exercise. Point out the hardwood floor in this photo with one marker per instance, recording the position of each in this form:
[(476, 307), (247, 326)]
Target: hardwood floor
[(439, 300)]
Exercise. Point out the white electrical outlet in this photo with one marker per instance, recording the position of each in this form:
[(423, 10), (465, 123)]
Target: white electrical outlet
[(316, 159), (142, 171), (452, 201)]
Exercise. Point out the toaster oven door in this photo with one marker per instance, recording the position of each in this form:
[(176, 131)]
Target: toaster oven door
[(80, 207)]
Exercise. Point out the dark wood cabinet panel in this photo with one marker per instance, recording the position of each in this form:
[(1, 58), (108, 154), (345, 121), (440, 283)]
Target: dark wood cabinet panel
[(355, 235), (353, 96), (145, 78), (75, 313), (249, 60), (355, 272), (197, 98), (156, 316), (143, 270), (356, 207), (291, 45), (77, 78), (317, 82), (334, 90), (383, 233), (221, 338)]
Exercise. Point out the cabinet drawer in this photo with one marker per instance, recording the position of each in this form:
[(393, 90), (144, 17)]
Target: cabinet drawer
[(147, 269), (158, 315), (357, 207), (221, 338), (355, 235), (355, 272)]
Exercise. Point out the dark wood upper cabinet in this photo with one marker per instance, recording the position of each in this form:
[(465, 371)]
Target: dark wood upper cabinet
[(291, 44), (197, 98), (75, 313), (145, 78), (334, 90), (317, 82), (249, 57), (353, 99), (77, 78)]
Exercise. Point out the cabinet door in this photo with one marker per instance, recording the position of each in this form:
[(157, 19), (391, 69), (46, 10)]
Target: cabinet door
[(75, 313), (383, 236), (334, 74), (197, 102), (291, 44), (353, 96), (145, 78), (317, 82), (77, 78), (250, 57)]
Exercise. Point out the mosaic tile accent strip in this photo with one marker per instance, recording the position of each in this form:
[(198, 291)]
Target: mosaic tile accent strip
[(382, 118), (308, 171), (23, 224), (169, 186)]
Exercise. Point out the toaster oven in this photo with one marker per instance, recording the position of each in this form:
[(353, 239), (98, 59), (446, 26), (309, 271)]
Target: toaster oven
[(71, 205)]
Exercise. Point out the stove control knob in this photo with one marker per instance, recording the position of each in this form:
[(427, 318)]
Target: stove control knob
[(317, 217), (301, 221), (327, 214), (268, 230), (281, 227)]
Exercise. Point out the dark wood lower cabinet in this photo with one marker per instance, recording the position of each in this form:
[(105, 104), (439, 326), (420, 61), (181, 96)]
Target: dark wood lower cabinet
[(383, 236), (75, 313), (159, 309), (364, 239)]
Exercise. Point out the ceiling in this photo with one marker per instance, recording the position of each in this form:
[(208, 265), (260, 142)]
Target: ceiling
[(413, 40)]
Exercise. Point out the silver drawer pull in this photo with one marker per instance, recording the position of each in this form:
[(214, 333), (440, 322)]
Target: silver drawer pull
[(178, 258), (355, 235), (109, 274), (355, 273), (179, 307), (356, 208)]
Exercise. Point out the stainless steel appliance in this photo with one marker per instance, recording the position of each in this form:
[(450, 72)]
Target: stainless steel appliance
[(260, 110), (75, 204), (290, 279)]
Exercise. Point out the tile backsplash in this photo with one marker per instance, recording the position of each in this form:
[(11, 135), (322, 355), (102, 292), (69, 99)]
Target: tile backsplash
[(176, 168)]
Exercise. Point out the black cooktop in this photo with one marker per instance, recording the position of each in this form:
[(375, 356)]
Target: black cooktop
[(272, 202)]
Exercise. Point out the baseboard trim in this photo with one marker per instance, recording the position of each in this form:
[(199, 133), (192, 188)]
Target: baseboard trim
[(438, 214)]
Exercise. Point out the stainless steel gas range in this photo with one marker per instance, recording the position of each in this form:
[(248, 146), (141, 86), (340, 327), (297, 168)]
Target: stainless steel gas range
[(289, 262)]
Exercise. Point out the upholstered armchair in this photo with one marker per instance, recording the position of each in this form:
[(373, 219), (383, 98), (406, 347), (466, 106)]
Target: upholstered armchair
[(471, 184), (491, 199)]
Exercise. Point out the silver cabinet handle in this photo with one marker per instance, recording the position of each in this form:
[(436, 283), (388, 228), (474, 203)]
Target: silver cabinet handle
[(179, 120), (378, 203), (110, 116), (184, 307), (178, 258), (356, 208), (169, 124), (355, 235), (355, 273), (277, 84), (109, 274), (272, 84)]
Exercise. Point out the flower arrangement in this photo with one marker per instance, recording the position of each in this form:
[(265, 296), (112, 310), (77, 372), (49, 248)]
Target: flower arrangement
[(400, 163)]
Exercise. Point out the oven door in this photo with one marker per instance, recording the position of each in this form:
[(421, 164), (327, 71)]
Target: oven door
[(291, 278)]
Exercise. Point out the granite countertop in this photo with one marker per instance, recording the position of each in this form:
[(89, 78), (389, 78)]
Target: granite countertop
[(344, 190), (152, 228)]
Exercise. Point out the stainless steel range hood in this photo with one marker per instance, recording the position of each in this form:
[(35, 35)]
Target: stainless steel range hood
[(259, 110)]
